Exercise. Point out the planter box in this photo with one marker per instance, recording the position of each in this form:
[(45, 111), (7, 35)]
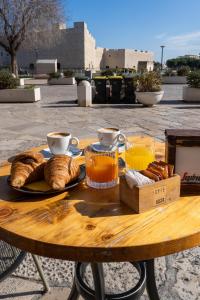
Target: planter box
[(20, 95), (191, 94), (174, 79), (149, 98), (143, 198), (62, 81)]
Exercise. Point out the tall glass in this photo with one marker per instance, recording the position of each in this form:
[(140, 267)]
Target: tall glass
[(101, 168), (138, 155)]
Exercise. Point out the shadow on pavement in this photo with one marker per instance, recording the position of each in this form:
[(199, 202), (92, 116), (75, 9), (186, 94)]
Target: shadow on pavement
[(21, 294), (189, 107), (171, 102)]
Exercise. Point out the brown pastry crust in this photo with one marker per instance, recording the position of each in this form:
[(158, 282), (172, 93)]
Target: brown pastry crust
[(27, 167), (60, 170), (162, 169)]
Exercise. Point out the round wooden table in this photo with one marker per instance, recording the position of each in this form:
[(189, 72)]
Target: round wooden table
[(88, 225)]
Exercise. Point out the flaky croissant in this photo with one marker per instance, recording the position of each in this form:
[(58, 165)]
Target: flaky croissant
[(60, 170), (27, 167)]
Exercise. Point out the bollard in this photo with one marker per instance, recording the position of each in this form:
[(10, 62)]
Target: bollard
[(84, 92)]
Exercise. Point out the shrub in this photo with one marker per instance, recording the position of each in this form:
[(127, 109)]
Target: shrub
[(149, 82), (169, 72), (54, 75), (81, 78), (68, 73), (107, 72), (183, 71), (115, 77), (7, 81), (193, 79), (100, 77)]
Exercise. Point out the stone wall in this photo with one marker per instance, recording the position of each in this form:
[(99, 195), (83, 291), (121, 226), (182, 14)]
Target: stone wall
[(133, 57), (99, 59), (76, 49), (89, 50), (69, 50), (114, 58)]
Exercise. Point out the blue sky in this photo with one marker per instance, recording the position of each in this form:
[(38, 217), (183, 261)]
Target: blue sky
[(141, 24)]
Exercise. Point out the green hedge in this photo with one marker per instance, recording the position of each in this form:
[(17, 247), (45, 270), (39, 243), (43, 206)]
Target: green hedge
[(7, 81), (193, 79)]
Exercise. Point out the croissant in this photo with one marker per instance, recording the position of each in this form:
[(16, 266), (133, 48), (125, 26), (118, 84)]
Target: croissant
[(27, 167), (60, 170)]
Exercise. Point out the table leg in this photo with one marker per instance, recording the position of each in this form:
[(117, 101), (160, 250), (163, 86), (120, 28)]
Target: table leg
[(41, 273), (74, 294), (151, 281), (98, 277), (98, 293)]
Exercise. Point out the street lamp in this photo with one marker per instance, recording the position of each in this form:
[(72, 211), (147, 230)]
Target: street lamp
[(36, 53), (162, 55)]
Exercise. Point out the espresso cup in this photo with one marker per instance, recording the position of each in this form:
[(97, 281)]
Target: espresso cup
[(110, 137), (59, 142)]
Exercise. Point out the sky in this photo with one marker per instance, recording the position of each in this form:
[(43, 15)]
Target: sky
[(140, 24)]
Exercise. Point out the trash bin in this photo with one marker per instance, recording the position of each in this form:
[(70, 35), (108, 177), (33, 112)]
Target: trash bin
[(116, 89), (129, 90), (101, 92), (84, 92)]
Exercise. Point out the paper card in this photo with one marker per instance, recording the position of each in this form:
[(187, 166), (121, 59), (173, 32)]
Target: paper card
[(188, 164)]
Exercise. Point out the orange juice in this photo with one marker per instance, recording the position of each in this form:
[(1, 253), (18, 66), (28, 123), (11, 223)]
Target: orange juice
[(139, 156), (102, 168)]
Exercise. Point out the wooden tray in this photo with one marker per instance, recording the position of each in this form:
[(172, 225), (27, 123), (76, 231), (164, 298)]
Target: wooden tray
[(144, 198)]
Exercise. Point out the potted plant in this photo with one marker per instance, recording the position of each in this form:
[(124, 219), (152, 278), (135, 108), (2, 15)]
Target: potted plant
[(149, 90), (191, 93), (11, 92)]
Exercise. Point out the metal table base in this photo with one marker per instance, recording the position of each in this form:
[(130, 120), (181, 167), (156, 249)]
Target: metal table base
[(147, 279)]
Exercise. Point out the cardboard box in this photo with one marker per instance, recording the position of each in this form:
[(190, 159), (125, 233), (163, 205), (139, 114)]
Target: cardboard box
[(149, 196)]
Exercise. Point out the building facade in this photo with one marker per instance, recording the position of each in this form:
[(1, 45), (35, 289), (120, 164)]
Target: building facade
[(76, 49)]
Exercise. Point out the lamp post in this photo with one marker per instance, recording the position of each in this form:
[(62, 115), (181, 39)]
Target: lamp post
[(162, 55), (36, 53)]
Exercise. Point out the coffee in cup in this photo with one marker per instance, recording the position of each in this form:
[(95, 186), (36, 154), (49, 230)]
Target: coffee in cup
[(110, 137), (59, 142)]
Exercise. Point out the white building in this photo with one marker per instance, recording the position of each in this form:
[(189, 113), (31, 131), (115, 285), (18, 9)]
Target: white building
[(77, 49)]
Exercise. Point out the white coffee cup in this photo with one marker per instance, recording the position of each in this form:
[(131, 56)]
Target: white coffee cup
[(110, 137), (59, 142)]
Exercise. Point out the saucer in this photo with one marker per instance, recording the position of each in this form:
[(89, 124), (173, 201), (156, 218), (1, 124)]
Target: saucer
[(72, 152)]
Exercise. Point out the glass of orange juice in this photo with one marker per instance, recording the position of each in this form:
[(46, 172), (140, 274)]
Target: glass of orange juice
[(101, 168), (139, 155)]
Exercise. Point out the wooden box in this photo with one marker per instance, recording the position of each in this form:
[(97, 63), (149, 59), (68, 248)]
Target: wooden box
[(144, 198), (183, 151)]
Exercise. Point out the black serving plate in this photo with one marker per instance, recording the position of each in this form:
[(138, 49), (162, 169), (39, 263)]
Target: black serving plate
[(50, 192)]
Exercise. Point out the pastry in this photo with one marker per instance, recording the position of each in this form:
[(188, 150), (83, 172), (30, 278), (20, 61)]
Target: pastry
[(27, 167), (158, 171), (60, 170), (150, 175)]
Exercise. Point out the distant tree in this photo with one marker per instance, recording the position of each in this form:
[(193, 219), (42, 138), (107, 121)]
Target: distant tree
[(176, 63), (157, 66), (24, 21)]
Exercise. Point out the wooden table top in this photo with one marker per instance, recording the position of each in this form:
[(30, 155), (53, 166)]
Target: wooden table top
[(85, 224)]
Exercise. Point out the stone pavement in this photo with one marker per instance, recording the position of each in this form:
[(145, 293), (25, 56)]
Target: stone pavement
[(25, 125)]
